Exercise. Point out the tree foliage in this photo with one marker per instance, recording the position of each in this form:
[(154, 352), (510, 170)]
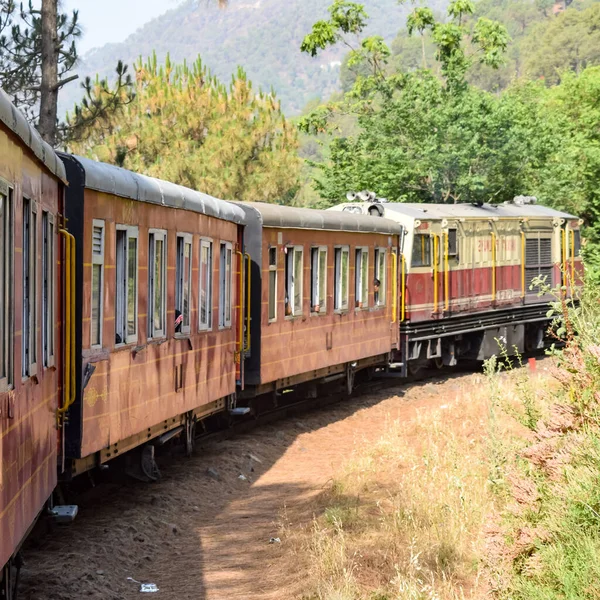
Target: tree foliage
[(185, 126)]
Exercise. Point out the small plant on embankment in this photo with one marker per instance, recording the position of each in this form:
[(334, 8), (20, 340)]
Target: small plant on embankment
[(545, 542)]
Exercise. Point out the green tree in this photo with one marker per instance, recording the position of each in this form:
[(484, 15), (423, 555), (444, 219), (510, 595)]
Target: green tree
[(185, 126)]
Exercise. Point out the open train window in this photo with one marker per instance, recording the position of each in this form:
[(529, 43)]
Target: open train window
[(183, 278), (225, 276), (361, 274), (318, 280), (6, 287), (157, 277), (272, 283), (48, 289), (294, 269), (421, 250), (341, 270), (205, 289), (577, 242), (452, 243), (379, 281), (127, 281), (28, 346)]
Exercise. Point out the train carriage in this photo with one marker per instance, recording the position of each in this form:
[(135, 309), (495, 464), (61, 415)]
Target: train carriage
[(157, 329), (323, 294), (470, 271), (32, 181)]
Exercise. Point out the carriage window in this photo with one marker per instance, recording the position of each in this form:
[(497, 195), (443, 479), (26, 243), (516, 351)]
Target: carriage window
[(421, 251), (28, 354), (6, 286), (127, 278), (341, 271), (225, 285), (452, 244), (361, 273), (183, 276), (318, 280), (48, 288), (577, 242), (294, 264), (157, 302), (379, 280), (97, 282), (272, 284), (205, 295)]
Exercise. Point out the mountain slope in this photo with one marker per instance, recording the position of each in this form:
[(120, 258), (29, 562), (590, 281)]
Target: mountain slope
[(263, 36)]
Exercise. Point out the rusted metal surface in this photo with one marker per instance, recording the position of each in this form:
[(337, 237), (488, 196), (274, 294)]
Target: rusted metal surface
[(139, 385), (28, 434)]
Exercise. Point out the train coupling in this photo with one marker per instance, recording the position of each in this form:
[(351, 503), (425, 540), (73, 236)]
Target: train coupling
[(63, 513)]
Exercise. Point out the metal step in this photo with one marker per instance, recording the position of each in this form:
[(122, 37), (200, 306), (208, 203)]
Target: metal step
[(64, 513), (239, 411)]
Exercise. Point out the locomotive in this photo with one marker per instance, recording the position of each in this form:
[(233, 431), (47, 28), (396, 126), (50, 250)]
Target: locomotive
[(133, 309)]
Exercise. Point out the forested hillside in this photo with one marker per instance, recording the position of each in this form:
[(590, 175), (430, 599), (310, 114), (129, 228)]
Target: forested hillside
[(262, 36)]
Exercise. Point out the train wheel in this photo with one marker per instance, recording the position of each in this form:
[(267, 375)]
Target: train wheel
[(414, 369), (439, 362)]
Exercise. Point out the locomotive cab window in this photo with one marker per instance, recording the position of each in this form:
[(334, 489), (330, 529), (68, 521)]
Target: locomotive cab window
[(29, 329), (576, 242), (361, 273), (183, 277), (48, 289), (205, 290), (341, 271), (272, 284), (452, 243), (157, 276), (318, 280), (421, 250), (225, 277), (126, 300), (6, 287), (294, 269), (379, 281)]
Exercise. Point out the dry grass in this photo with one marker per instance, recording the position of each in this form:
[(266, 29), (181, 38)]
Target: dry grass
[(406, 516)]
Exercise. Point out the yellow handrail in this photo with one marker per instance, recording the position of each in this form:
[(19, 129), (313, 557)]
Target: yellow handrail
[(435, 272), (564, 256), (403, 275), (69, 369), (248, 300), (395, 287), (493, 266), (522, 264), (446, 273), (572, 258), (241, 301)]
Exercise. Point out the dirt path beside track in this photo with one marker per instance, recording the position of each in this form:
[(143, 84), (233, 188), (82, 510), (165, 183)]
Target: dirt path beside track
[(203, 535)]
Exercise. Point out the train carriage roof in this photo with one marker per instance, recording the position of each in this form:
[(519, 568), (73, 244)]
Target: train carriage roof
[(275, 215), (14, 119), (111, 179)]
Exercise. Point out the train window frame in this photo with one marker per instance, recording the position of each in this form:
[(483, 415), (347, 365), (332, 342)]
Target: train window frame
[(183, 240), (97, 261), (318, 281), (577, 242), (207, 324), (425, 254), (341, 300), (225, 285), (154, 236), (7, 253), (131, 233), (29, 287), (380, 276), (48, 288), (453, 245), (361, 278), (272, 298), (291, 291)]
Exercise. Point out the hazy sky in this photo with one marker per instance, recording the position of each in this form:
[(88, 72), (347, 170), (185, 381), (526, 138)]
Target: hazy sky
[(106, 21)]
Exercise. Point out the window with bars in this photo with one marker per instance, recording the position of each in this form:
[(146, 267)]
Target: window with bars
[(318, 280), (361, 275), (294, 269), (157, 283), (538, 261), (205, 289), (6, 287), (183, 277), (272, 284), (341, 271), (225, 284), (48, 289), (126, 289), (379, 282), (421, 250)]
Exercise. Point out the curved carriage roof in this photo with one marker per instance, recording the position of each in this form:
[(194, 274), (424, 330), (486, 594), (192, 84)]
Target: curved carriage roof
[(110, 179), (14, 119), (275, 215)]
